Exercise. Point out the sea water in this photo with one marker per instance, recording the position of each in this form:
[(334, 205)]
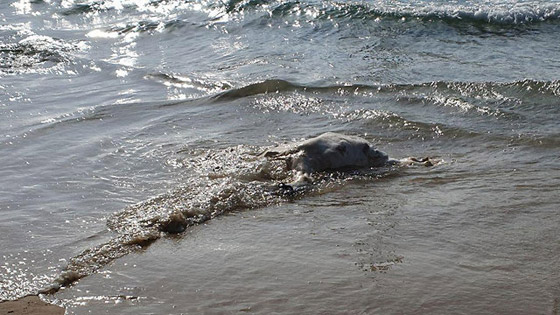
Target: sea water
[(117, 117)]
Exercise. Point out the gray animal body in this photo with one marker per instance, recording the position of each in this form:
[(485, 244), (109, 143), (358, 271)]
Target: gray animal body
[(333, 152), (330, 152)]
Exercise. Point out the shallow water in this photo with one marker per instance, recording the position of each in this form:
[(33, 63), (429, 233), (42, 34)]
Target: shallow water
[(117, 115)]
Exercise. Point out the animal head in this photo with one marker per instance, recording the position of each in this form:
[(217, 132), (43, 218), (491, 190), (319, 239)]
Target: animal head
[(375, 157)]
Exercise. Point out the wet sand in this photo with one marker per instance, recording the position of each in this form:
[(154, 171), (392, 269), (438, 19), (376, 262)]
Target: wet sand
[(29, 305)]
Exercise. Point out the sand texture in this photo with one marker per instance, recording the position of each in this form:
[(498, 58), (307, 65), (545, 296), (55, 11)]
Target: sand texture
[(29, 305)]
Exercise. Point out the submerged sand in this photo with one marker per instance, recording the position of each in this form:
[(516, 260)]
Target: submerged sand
[(29, 305)]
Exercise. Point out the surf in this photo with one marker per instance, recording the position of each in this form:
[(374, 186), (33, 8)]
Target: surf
[(258, 180)]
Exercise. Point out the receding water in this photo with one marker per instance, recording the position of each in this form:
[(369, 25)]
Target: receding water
[(119, 118)]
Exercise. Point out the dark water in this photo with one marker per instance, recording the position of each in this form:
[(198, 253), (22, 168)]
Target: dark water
[(120, 117)]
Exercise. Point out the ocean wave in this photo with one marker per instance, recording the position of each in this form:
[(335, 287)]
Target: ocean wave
[(37, 53), (486, 12), (105, 5), (494, 12), (182, 81), (490, 11), (491, 106), (504, 101), (517, 102), (158, 7), (527, 86), (267, 86), (236, 178), (223, 181), (147, 26)]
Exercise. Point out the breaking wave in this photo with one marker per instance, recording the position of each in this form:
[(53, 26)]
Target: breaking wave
[(37, 53), (493, 12), (486, 12)]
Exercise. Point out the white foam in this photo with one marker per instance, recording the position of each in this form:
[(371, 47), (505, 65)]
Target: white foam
[(492, 11)]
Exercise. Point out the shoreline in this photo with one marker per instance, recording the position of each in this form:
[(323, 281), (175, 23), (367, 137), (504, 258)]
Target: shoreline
[(29, 305)]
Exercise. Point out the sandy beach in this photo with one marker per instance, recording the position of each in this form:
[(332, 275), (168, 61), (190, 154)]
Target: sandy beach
[(29, 305)]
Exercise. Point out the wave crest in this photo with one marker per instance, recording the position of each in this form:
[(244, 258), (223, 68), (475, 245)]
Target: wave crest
[(489, 11), (37, 53), (493, 12)]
